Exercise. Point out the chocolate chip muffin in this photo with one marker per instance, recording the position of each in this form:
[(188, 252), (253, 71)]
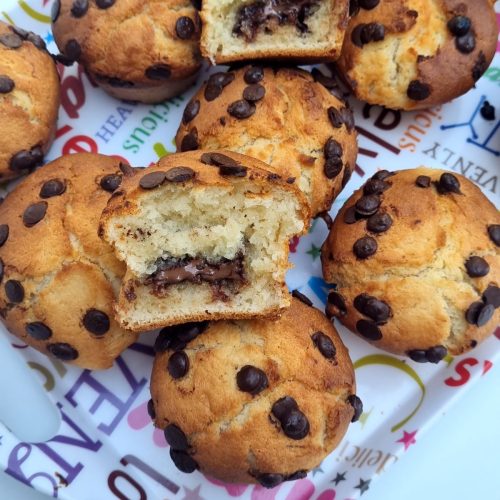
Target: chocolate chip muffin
[(294, 121), (205, 235), (58, 280), (253, 400), (302, 30), (415, 256), (413, 54), (29, 101), (141, 50)]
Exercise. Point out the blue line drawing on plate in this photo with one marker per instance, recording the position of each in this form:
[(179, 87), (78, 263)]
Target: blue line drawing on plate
[(474, 139)]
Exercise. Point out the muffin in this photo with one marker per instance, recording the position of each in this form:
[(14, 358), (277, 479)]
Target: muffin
[(253, 401), (304, 30), (285, 117), (29, 101), (204, 235), (58, 280), (415, 256), (414, 54), (145, 51)]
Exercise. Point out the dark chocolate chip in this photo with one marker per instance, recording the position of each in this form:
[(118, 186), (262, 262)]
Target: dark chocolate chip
[(448, 183), (377, 310), (253, 75), (234, 171), (190, 141), (418, 91), (11, 40), (6, 84), (381, 175), (466, 43), (338, 301), (335, 117), (52, 187), (159, 72), (473, 311), (459, 25), (295, 425), (191, 111), (216, 84), (348, 118), (72, 50), (368, 205), (14, 291), (350, 216), (418, 355), (111, 182), (185, 28), (491, 296), (436, 354), (127, 170), (96, 322), (34, 213), (63, 351), (269, 480), (251, 379), (379, 223), (353, 8), (302, 298), (79, 8), (36, 40), (365, 247), (473, 343), (368, 329), (184, 462), (176, 438), (241, 109), (327, 219), (327, 82), (218, 160), (26, 159), (38, 330), (375, 186), (55, 10), (332, 149), (494, 233), (485, 314), (480, 66), (178, 364), (177, 337), (151, 409), (324, 344), (4, 234), (347, 175), (476, 267), (152, 180), (300, 474), (488, 111), (356, 35), (283, 406), (372, 32), (368, 4), (357, 406), (180, 174), (254, 92), (105, 4), (333, 167), (423, 181)]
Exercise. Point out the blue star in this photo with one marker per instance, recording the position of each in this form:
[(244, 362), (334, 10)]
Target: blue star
[(317, 470), (339, 478), (363, 485), (49, 37)]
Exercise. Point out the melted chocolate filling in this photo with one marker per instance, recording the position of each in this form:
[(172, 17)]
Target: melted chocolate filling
[(196, 270), (267, 15)]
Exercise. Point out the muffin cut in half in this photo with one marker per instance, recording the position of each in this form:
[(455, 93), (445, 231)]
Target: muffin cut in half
[(307, 30), (204, 236)]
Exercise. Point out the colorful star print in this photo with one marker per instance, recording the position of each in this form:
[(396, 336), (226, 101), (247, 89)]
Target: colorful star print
[(408, 439), (339, 478), (193, 494), (314, 252), (363, 485)]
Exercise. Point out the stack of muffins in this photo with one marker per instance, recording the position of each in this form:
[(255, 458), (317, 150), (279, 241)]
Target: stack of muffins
[(94, 252)]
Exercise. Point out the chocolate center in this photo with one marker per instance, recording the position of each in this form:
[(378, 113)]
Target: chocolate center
[(267, 15)]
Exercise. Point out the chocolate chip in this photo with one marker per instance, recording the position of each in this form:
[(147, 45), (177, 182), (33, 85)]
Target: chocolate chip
[(356, 35), (34, 213), (38, 330), (235, 171), (327, 82), (2, 267), (466, 43), (368, 4), (177, 337), (423, 181), (347, 175), (127, 170), (436, 354), (372, 32), (180, 174), (284, 406), (473, 311), (351, 216), (324, 344), (190, 141), (72, 50), (152, 180), (473, 343), (96, 322), (335, 117), (485, 314), (14, 291), (151, 409), (36, 40), (300, 474), (353, 8), (338, 301), (216, 84), (159, 72), (253, 75), (6, 84), (382, 175), (332, 149), (476, 267), (111, 182), (79, 8), (375, 186), (185, 28), (11, 40), (365, 247), (176, 438), (52, 187), (379, 223), (357, 406), (448, 183), (268, 480), (55, 10), (488, 111), (62, 351), (348, 118), (295, 425), (218, 160), (251, 379), (418, 355), (491, 296), (368, 329), (105, 4), (368, 205), (494, 233), (191, 111), (302, 298), (184, 462), (26, 159), (327, 218), (459, 25), (241, 109), (4, 234), (480, 66), (254, 92), (378, 310), (178, 364), (418, 91), (333, 167)]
